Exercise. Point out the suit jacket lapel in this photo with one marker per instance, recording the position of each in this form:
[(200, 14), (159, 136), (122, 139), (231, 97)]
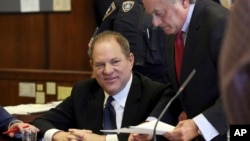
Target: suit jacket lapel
[(195, 45), (95, 110), (132, 103), (171, 61)]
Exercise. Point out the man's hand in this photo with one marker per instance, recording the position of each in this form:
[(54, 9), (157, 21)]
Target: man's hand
[(20, 126), (84, 135), (60, 136), (186, 130), (140, 137)]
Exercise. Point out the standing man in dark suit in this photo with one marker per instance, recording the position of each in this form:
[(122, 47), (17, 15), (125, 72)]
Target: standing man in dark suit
[(80, 116), (201, 24), (8, 122)]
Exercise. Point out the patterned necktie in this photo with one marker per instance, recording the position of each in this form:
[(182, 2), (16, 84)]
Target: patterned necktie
[(109, 118), (179, 48)]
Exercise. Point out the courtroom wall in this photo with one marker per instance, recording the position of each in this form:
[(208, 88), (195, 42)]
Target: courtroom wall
[(42, 47), (47, 40)]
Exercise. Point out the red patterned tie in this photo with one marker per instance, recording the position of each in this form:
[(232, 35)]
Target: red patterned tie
[(179, 48)]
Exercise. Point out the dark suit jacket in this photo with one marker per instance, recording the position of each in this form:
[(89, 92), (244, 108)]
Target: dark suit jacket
[(84, 108), (201, 52), (5, 119)]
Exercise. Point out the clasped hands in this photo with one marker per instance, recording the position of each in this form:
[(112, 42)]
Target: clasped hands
[(78, 135), (185, 130)]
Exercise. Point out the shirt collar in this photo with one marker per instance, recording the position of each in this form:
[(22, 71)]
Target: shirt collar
[(187, 22)]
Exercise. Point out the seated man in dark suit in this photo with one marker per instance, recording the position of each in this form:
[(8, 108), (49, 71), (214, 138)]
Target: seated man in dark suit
[(80, 116), (8, 122)]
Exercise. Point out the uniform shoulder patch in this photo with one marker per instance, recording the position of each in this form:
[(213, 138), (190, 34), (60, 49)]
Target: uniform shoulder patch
[(111, 8), (127, 5)]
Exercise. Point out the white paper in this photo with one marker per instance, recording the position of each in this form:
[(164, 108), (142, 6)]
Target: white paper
[(30, 6), (27, 89), (145, 128), (26, 109), (61, 5)]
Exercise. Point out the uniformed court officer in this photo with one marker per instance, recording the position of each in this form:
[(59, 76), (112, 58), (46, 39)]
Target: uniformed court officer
[(129, 18)]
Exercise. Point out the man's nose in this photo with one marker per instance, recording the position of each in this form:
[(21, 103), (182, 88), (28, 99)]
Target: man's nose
[(108, 69), (156, 21)]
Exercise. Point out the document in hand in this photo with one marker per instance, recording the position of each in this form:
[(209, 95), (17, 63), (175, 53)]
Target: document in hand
[(145, 128)]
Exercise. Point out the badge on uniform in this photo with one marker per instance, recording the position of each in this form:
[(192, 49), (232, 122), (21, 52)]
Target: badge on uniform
[(127, 5), (111, 8)]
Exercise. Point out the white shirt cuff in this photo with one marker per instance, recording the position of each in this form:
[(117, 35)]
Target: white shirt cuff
[(151, 118), (112, 137), (207, 130), (49, 134)]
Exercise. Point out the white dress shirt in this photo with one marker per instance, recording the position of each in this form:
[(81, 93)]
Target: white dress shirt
[(119, 104)]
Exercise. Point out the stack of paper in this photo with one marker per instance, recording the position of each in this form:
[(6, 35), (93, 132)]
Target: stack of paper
[(26, 109)]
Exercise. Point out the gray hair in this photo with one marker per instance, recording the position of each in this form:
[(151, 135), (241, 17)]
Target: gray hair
[(107, 35)]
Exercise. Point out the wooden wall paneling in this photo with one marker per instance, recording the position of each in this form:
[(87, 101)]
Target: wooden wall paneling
[(54, 42), (69, 36), (10, 79), (22, 42)]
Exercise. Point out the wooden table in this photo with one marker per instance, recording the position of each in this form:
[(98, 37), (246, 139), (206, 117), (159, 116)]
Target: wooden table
[(28, 118)]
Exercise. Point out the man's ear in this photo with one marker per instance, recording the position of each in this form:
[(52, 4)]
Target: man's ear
[(131, 59), (185, 3), (91, 63)]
